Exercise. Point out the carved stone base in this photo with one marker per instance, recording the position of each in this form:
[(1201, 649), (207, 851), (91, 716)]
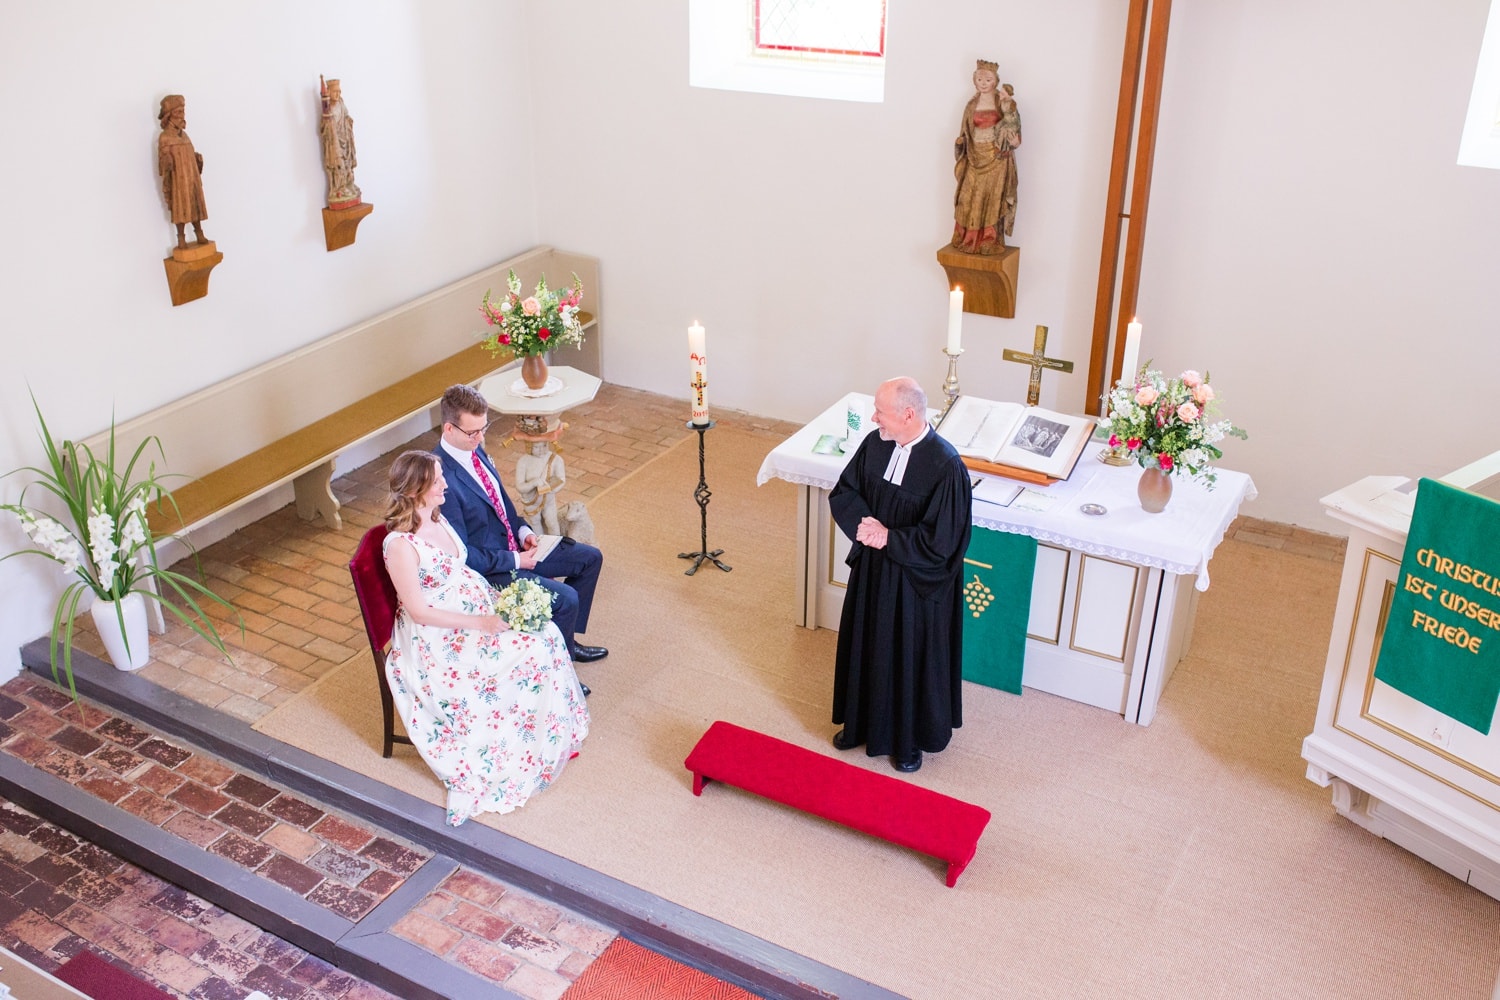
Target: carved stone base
[(188, 268), (339, 224), (988, 280)]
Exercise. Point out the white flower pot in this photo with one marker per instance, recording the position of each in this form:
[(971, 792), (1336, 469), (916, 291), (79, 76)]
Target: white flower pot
[(108, 622)]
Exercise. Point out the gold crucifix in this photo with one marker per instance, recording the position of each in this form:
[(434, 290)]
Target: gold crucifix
[(1038, 360)]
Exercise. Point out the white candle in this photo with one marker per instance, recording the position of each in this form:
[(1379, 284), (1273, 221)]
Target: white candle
[(698, 362), (955, 318), (1128, 367)]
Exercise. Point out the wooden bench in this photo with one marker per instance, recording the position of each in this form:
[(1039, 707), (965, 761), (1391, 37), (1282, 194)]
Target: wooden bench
[(288, 420), (877, 804)]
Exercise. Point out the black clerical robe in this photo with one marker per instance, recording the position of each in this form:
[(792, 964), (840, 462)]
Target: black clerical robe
[(898, 672)]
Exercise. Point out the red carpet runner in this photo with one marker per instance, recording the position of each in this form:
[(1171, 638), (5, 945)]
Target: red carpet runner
[(88, 973), (626, 971)]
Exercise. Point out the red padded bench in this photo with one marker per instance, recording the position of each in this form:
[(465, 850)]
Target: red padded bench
[(877, 804)]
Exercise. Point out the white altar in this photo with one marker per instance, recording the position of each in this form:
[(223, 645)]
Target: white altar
[(1397, 767), (1110, 609)]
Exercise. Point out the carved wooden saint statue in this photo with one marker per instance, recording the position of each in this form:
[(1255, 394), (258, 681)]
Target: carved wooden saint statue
[(984, 207), (181, 169), (336, 128)]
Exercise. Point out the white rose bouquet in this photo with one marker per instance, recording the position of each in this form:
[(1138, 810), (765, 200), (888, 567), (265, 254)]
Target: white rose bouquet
[(524, 604)]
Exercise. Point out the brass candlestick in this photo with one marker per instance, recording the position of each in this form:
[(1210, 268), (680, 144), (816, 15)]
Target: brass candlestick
[(950, 384)]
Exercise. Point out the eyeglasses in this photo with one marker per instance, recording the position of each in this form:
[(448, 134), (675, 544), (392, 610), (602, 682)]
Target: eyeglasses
[(473, 435)]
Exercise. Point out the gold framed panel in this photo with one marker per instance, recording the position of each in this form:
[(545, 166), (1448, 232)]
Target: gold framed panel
[(1135, 587)]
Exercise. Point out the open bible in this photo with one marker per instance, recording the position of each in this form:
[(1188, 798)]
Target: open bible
[(1009, 439)]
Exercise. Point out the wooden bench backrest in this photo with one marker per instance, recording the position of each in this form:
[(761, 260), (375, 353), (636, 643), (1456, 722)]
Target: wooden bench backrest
[(226, 421)]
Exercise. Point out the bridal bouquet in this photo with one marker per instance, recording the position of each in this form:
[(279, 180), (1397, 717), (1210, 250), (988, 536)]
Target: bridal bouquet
[(1166, 423), (524, 604), (536, 323)]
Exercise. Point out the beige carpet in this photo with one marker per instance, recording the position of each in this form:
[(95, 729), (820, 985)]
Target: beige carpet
[(1189, 859)]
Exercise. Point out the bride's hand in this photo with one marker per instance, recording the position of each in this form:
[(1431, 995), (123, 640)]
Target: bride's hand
[(492, 623)]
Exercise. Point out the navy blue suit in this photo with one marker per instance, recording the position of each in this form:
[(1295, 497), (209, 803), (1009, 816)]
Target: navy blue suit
[(469, 511)]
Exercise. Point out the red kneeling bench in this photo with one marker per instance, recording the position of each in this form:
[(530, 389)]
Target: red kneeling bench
[(877, 804)]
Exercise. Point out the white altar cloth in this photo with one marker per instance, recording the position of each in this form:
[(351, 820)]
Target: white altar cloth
[(1180, 540)]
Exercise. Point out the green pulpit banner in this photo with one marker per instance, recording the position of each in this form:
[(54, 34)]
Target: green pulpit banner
[(1441, 643), (997, 605)]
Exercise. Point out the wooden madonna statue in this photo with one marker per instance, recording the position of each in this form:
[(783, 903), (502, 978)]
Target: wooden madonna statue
[(977, 258)]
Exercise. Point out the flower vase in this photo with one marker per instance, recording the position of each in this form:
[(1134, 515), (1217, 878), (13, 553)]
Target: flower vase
[(1154, 490), (534, 371), (107, 619)]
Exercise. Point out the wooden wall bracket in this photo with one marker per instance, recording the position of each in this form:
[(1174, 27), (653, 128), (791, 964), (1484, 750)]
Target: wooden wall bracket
[(988, 280), (187, 271), (339, 224)]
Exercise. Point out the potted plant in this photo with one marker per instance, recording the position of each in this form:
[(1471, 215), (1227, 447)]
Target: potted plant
[(530, 327), (104, 542)]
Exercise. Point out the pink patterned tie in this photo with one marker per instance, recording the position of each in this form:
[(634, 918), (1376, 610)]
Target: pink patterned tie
[(495, 501)]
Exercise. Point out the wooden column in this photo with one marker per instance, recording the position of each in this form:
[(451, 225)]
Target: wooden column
[(1145, 35)]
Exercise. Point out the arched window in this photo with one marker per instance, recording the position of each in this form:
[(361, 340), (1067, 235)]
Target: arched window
[(804, 48)]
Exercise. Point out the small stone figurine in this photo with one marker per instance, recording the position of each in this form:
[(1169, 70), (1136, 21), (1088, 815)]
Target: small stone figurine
[(181, 170)]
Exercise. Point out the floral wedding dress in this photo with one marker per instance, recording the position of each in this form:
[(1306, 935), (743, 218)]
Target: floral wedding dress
[(496, 716)]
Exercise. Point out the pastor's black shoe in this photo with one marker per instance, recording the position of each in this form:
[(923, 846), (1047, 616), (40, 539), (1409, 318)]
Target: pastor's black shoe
[(585, 687), (907, 764), (588, 654), (843, 741)]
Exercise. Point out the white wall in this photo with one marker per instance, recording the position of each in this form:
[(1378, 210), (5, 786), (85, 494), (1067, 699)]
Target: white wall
[(440, 97), (1311, 242)]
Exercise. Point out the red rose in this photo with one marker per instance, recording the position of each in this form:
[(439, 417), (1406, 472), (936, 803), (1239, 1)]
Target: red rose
[(504, 338), (544, 333), (1165, 461)]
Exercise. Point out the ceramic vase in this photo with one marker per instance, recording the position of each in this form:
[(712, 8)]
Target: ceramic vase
[(534, 371), (133, 608), (1154, 490)]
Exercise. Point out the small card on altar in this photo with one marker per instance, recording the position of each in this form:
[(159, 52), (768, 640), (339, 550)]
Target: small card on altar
[(1000, 492), (1033, 500), (829, 444)]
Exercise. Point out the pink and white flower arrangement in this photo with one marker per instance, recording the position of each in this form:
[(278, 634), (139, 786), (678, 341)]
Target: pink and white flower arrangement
[(536, 323), (1167, 423)]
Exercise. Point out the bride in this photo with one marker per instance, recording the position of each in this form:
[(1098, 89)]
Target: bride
[(495, 713)]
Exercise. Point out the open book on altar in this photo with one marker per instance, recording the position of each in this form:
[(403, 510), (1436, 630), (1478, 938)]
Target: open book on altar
[(1027, 439)]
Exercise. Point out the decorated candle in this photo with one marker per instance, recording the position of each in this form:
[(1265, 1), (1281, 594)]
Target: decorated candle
[(698, 361), (1132, 352), (955, 318)]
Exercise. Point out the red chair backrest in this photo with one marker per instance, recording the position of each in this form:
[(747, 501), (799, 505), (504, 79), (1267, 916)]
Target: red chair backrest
[(374, 590)]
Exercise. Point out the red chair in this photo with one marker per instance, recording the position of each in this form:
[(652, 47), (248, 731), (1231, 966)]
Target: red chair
[(377, 604)]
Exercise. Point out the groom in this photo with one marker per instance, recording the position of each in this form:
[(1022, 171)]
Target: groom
[(498, 541)]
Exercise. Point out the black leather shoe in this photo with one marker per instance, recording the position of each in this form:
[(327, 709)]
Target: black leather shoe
[(842, 740), (907, 765), (588, 654), (585, 687)]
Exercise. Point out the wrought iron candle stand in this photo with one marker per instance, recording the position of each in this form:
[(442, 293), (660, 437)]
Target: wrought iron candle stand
[(701, 495)]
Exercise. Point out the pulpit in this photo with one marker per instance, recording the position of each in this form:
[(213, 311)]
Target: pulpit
[(1395, 766), (1113, 593)]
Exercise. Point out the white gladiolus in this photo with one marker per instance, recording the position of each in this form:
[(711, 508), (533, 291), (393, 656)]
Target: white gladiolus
[(133, 532)]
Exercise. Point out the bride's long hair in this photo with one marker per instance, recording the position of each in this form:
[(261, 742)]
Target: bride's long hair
[(412, 475)]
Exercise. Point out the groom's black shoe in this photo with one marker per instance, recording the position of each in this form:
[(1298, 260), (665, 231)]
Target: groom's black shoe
[(588, 654), (585, 687)]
